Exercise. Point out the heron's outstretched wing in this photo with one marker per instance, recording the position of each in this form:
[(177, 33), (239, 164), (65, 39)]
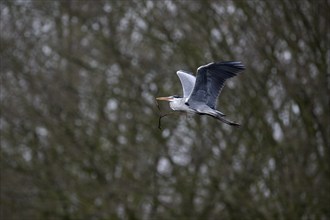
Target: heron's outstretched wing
[(211, 79), (187, 82)]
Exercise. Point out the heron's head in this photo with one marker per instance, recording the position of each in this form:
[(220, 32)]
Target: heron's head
[(169, 98)]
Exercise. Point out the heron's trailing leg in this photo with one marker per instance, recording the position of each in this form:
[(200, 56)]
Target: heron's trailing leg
[(224, 120)]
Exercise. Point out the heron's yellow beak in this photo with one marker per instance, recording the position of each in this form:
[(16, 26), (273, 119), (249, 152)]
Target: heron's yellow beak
[(164, 98)]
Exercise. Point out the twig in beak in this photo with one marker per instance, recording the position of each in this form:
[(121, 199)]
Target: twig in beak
[(160, 115)]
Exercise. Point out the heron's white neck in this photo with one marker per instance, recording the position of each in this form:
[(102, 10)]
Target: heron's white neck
[(178, 104)]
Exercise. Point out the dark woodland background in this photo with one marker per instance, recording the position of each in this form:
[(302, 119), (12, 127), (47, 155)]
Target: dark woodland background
[(79, 136)]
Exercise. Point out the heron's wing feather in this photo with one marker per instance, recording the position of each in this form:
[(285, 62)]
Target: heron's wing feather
[(211, 79), (187, 82)]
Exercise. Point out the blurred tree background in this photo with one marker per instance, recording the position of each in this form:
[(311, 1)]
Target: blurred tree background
[(79, 136)]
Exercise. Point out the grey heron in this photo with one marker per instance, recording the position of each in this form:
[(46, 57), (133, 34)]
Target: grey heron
[(200, 93)]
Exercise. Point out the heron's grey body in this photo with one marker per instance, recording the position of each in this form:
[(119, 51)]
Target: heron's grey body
[(200, 93)]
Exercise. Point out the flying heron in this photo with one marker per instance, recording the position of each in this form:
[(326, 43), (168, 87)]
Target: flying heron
[(200, 93)]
